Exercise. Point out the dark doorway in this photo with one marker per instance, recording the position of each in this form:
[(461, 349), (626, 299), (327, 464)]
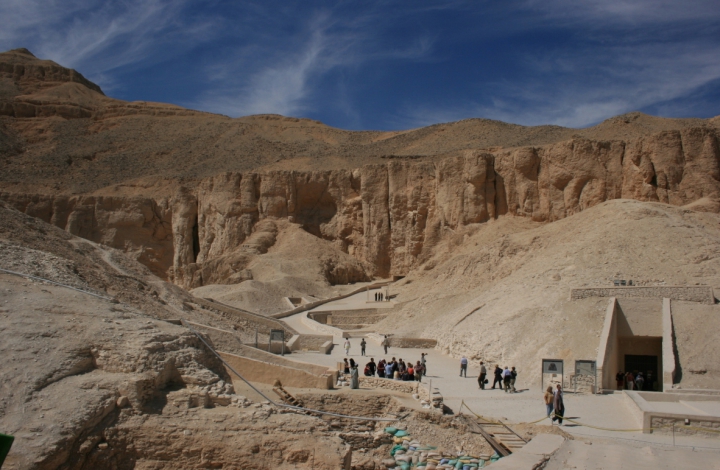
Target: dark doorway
[(648, 365)]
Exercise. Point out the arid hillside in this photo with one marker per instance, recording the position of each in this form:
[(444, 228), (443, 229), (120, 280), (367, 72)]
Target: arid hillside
[(197, 197), (500, 292), (59, 134), (282, 205), (106, 382)]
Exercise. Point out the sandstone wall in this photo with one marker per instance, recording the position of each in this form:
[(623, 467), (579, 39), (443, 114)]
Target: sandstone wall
[(701, 294), (269, 369), (391, 216), (139, 226)]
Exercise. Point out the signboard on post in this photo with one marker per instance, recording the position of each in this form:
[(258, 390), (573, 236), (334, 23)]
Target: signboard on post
[(585, 379), (552, 372), (277, 335)]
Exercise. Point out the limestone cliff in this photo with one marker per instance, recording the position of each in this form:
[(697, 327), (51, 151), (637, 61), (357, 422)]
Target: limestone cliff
[(389, 216)]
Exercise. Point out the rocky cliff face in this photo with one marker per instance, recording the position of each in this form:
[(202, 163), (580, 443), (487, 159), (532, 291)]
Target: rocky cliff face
[(391, 216)]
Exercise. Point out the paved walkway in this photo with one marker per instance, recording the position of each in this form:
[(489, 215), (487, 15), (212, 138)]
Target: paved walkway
[(607, 411), (358, 301)]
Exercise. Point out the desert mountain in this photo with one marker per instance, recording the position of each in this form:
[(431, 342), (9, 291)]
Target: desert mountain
[(199, 197), (500, 291)]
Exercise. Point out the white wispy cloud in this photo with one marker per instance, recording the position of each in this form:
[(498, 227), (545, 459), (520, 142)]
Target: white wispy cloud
[(285, 76), (96, 37), (633, 55)]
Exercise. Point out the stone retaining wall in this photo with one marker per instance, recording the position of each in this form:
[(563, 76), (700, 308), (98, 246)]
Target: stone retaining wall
[(409, 387), (317, 303), (702, 294), (664, 425), (400, 342), (310, 343), (266, 369), (247, 320), (356, 317)]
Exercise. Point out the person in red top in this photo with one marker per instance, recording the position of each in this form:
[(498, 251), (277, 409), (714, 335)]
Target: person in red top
[(629, 380)]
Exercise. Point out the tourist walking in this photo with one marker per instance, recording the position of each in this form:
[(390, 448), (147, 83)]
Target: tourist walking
[(354, 379), (498, 376), (423, 362), (483, 373), (463, 366), (558, 405), (549, 398), (506, 375), (386, 343), (513, 376), (347, 346), (362, 347)]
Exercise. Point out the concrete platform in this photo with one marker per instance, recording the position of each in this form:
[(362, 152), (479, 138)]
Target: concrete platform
[(537, 451), (691, 412)]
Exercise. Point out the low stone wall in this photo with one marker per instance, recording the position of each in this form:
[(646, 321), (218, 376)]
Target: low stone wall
[(267, 369), (320, 317), (310, 343), (400, 342), (418, 343), (355, 317), (703, 426), (409, 387), (317, 303), (702, 294), (249, 321), (660, 418), (276, 347)]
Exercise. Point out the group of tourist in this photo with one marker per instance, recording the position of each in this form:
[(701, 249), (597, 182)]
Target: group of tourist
[(635, 381), (505, 378), (381, 297), (395, 369)]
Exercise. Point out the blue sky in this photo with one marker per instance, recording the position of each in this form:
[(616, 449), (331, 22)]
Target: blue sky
[(389, 64)]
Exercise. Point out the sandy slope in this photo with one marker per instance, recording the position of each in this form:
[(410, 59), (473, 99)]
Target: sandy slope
[(297, 264), (502, 295)]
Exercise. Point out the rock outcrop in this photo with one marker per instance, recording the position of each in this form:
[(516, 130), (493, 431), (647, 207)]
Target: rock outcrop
[(389, 216), (384, 199)]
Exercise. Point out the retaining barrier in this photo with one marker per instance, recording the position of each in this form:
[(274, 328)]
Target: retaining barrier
[(702, 294), (317, 303)]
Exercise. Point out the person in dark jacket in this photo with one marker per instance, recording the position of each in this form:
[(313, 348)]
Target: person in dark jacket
[(483, 374), (371, 366), (498, 377), (558, 405)]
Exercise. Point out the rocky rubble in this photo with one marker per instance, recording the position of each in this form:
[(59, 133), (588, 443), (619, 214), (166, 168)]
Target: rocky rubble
[(91, 383)]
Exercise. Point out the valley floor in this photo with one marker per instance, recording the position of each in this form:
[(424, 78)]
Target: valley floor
[(526, 406)]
